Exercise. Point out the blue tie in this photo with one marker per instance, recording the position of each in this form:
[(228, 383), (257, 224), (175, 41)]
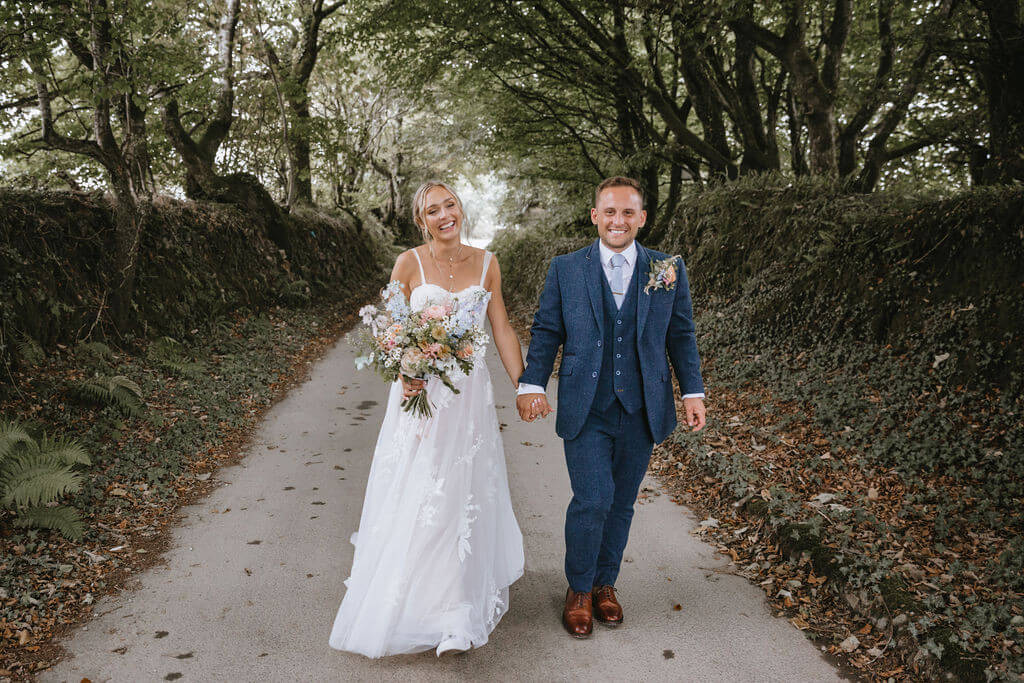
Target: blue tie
[(618, 293)]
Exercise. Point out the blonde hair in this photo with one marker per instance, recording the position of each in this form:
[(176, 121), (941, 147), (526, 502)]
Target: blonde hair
[(419, 201)]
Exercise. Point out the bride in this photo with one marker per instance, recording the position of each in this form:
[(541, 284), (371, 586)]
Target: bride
[(438, 544)]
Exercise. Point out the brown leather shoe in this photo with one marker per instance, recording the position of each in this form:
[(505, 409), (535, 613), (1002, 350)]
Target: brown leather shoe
[(607, 609), (578, 615)]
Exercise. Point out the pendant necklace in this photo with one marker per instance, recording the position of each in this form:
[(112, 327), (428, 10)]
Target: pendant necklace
[(451, 266)]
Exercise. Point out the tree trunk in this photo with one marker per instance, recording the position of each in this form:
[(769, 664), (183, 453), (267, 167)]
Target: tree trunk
[(760, 153), (129, 215), (819, 117), (814, 89), (200, 155), (1004, 85), (797, 159), (675, 190), (299, 147), (650, 182)]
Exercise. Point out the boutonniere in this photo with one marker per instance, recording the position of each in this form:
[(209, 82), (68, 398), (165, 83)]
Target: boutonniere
[(662, 275)]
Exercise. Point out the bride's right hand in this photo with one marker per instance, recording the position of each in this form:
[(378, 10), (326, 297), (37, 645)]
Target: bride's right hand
[(411, 387)]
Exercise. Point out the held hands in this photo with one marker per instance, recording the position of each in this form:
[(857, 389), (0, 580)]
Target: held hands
[(411, 387), (532, 406), (695, 413)]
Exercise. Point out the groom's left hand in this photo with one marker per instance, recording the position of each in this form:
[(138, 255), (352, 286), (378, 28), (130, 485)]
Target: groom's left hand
[(695, 413)]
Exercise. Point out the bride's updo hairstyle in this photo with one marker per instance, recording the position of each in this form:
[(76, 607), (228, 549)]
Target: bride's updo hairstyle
[(419, 201)]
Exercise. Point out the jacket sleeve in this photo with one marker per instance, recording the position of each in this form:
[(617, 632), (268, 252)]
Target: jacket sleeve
[(682, 338), (547, 332)]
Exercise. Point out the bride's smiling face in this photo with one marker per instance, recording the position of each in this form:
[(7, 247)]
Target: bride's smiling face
[(442, 217)]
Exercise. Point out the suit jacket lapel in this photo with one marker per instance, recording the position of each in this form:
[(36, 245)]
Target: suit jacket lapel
[(643, 303), (593, 273)]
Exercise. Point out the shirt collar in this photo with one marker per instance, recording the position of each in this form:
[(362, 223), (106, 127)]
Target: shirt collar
[(606, 253)]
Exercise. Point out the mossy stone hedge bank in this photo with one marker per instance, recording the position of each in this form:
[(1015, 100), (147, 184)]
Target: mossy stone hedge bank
[(808, 262), (196, 260)]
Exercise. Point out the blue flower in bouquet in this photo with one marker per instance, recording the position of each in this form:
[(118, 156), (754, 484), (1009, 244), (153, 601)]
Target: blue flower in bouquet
[(395, 302)]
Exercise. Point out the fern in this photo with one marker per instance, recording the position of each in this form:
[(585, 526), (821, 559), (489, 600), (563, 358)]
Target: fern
[(226, 339), (164, 348), (259, 327), (60, 518), (117, 391), (168, 352), (66, 451), (30, 479), (223, 328), (29, 350), (11, 436), (34, 474), (127, 394), (296, 291), (95, 350)]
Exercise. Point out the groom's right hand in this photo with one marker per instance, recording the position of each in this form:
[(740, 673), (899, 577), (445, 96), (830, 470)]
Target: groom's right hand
[(532, 405)]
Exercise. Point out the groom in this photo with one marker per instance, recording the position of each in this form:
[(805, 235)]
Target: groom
[(621, 313)]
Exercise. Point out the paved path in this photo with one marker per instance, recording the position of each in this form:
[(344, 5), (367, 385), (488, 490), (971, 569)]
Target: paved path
[(249, 594)]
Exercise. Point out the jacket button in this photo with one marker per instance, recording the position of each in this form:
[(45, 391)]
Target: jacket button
[(618, 339), (598, 343), (618, 355), (618, 372), (618, 322), (593, 374)]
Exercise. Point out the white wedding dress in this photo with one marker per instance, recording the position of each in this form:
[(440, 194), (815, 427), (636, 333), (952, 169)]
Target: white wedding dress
[(438, 544)]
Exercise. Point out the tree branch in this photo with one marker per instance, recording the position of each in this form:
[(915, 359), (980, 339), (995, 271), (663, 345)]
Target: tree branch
[(835, 43), (48, 135), (219, 126)]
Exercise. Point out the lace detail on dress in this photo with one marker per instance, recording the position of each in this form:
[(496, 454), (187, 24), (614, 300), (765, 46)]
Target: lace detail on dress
[(430, 508), (495, 604), (466, 528), (468, 455)]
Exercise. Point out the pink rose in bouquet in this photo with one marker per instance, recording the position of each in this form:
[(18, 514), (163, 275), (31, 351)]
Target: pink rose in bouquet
[(434, 312)]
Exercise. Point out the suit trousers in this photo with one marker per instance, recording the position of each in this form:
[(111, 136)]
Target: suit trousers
[(606, 462)]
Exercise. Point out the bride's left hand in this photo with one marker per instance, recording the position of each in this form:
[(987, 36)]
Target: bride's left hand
[(411, 387)]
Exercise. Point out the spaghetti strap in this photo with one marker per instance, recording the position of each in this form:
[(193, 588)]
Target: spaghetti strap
[(423, 278), (487, 262)]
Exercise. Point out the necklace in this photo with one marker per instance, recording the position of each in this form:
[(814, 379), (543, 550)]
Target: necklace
[(451, 265)]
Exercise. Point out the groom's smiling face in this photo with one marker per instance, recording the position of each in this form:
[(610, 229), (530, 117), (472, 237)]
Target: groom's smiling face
[(619, 214)]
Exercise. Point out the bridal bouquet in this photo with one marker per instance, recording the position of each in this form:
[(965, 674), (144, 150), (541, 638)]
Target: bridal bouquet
[(443, 340)]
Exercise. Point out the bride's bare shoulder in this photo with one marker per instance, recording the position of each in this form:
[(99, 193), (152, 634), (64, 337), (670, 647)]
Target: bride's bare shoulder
[(405, 266)]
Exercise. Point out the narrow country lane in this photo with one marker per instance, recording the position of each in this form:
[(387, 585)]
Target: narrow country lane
[(254, 574)]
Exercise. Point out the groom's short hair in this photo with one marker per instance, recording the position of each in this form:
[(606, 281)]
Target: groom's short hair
[(619, 181)]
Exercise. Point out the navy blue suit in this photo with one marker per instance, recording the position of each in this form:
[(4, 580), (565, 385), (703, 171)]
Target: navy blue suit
[(614, 393)]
